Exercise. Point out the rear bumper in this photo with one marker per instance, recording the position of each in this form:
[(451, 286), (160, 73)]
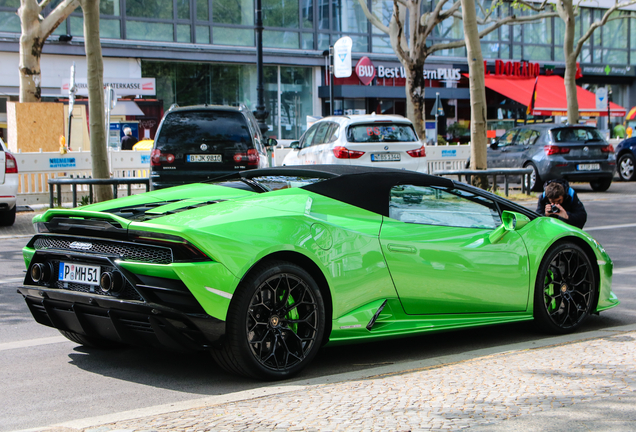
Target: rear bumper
[(568, 171), (153, 311), (8, 192)]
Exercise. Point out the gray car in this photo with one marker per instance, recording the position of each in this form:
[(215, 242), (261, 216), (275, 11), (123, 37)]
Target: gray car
[(577, 153)]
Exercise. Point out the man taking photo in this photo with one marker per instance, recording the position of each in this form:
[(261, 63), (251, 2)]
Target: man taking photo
[(559, 200)]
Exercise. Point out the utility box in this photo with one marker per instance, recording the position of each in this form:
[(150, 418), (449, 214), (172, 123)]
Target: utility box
[(32, 126)]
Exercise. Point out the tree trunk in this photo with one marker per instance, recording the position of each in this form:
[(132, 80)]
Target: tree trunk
[(95, 78), (34, 32), (415, 106), (570, 62), (477, 93)]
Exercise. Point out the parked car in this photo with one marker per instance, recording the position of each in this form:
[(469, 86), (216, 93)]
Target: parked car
[(387, 141), (8, 185), (198, 143), (266, 266), (577, 153), (625, 157)]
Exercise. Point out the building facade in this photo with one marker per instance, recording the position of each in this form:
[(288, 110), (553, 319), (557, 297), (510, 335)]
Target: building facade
[(203, 51)]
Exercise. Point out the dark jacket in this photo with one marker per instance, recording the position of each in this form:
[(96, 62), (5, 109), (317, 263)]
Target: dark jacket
[(128, 141), (571, 204)]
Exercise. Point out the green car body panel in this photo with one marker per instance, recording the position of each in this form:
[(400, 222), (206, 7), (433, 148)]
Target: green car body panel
[(484, 283), (379, 277)]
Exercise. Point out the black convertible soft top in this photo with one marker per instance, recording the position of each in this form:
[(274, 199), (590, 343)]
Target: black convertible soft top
[(369, 187)]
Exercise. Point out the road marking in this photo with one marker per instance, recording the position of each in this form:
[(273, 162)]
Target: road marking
[(625, 270), (606, 227), (11, 280), (32, 342)]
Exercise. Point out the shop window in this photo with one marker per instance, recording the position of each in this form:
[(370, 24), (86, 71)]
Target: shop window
[(109, 7), (203, 34), (9, 22), (109, 29), (277, 13), (348, 17), (149, 9), (323, 14), (308, 41), (233, 36), (234, 12), (183, 33), (296, 101), (203, 11), (280, 39), (151, 31), (307, 14)]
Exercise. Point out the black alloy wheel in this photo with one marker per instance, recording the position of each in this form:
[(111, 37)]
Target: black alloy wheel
[(275, 323), (8, 218), (626, 167), (566, 289), (601, 185)]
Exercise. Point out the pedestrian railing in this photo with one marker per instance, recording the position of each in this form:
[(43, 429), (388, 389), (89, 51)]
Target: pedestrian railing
[(494, 173), (90, 182)]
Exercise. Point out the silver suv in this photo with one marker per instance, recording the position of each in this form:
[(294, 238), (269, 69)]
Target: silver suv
[(577, 153)]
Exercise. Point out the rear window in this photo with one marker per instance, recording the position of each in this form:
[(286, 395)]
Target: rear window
[(198, 127), (381, 132), (574, 134)]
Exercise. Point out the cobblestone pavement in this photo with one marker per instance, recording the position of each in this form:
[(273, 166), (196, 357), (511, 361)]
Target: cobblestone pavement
[(472, 393)]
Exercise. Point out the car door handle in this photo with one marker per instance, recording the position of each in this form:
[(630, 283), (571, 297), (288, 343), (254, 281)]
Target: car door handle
[(401, 248)]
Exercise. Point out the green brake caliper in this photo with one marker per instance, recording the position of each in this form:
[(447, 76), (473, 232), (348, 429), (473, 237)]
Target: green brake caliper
[(549, 289), (292, 315)]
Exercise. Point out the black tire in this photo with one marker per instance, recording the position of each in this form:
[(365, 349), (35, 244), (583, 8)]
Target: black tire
[(536, 185), (275, 323), (8, 218), (626, 167), (88, 341), (566, 289), (601, 185)]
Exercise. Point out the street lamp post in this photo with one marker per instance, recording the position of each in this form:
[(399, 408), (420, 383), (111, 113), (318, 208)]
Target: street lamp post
[(260, 113)]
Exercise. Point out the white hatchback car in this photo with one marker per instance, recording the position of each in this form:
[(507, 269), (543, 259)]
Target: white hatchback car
[(372, 140), (8, 186)]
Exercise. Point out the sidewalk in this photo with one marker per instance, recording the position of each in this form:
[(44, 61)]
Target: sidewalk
[(585, 381)]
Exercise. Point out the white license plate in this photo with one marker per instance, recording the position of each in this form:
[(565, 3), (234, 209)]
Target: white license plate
[(78, 273), (385, 157), (588, 167), (204, 158)]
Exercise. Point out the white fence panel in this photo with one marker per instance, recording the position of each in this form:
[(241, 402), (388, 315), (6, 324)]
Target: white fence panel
[(35, 169)]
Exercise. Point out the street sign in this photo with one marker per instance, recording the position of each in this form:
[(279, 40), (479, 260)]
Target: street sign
[(601, 98), (438, 108), (342, 57)]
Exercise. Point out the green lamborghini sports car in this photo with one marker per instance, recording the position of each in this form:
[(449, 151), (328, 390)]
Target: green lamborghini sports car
[(263, 267)]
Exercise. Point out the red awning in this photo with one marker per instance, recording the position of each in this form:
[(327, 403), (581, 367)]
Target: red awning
[(550, 99)]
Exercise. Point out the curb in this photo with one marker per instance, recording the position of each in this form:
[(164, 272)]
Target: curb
[(300, 385)]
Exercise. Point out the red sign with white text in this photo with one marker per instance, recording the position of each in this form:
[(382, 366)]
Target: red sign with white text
[(365, 70)]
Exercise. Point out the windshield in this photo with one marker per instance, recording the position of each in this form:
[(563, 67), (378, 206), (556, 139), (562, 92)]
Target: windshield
[(574, 134), (212, 127), (381, 132)]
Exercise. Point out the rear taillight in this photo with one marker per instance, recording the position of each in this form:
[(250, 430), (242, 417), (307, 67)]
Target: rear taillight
[(607, 149), (250, 158), (10, 164), (555, 150), (344, 153), (157, 158), (420, 152)]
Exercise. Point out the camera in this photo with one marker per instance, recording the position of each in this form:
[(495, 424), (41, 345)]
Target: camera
[(554, 208)]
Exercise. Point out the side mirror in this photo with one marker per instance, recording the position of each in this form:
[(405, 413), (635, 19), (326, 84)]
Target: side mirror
[(511, 221), (295, 145), (271, 142), (494, 143)]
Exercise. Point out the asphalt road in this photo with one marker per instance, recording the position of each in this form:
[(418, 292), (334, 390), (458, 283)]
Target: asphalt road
[(45, 379)]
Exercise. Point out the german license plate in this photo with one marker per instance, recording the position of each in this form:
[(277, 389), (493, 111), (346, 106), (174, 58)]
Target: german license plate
[(78, 273), (588, 167), (204, 158), (385, 157)]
